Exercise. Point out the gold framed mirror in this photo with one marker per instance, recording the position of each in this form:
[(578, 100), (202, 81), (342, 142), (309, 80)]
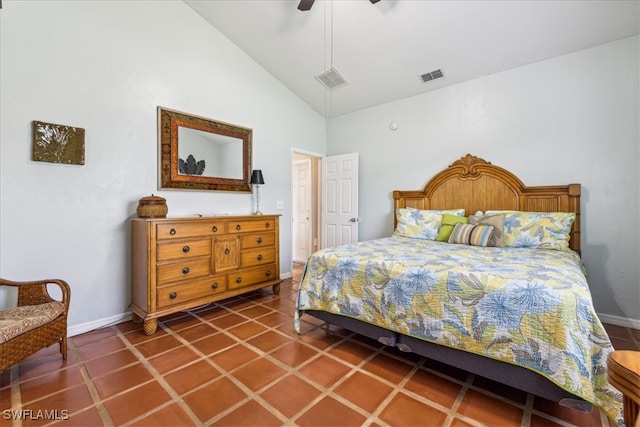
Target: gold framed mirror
[(197, 153)]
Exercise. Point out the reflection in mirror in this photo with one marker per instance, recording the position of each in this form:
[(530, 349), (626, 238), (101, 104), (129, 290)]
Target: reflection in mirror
[(197, 153), (209, 154)]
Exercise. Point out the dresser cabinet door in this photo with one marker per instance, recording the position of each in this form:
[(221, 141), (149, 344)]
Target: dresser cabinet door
[(225, 254)]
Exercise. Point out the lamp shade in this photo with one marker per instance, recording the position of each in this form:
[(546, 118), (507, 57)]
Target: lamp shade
[(256, 177)]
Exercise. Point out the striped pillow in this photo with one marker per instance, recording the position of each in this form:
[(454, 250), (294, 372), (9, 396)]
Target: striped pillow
[(470, 234)]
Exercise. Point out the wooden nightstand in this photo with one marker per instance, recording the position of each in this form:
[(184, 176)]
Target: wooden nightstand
[(624, 374)]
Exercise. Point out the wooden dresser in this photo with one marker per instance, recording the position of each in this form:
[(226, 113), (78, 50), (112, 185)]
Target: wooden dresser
[(181, 263)]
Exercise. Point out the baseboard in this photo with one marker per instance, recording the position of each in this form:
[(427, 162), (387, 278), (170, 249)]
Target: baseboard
[(97, 324), (119, 318), (288, 275), (620, 321)]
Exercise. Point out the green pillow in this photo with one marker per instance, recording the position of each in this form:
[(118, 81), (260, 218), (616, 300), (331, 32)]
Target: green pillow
[(447, 224)]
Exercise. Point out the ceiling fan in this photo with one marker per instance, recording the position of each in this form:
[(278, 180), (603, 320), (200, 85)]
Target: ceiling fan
[(305, 5)]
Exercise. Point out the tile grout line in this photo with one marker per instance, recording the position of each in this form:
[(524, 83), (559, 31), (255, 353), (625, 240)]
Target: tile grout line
[(251, 395), (289, 369), (16, 395), (375, 415), (526, 416), (175, 398), (93, 391), (80, 364)]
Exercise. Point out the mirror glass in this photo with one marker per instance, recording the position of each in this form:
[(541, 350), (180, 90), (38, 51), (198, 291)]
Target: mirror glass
[(197, 153)]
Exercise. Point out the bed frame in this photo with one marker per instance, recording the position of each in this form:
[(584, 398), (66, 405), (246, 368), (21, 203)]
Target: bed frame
[(476, 185)]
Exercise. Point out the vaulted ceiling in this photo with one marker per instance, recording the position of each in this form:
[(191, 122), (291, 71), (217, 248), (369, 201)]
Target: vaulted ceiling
[(382, 49)]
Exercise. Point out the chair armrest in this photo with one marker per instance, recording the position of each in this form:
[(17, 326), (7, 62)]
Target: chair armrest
[(35, 292)]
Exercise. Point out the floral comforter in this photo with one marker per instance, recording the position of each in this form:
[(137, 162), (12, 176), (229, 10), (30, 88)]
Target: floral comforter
[(529, 307)]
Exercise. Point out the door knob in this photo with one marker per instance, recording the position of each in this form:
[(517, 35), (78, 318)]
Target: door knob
[(355, 220)]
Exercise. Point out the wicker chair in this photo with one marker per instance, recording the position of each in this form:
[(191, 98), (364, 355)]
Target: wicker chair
[(35, 293)]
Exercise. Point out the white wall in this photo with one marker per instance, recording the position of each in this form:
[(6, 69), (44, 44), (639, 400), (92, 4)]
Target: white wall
[(568, 119), (105, 66)]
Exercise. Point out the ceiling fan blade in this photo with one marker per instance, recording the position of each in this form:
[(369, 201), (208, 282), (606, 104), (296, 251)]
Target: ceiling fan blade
[(305, 4), (374, 1)]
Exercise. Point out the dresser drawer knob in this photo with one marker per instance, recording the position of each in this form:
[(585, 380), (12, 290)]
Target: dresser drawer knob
[(239, 280), (267, 273), (267, 225), (214, 228), (173, 295), (172, 231), (185, 270), (259, 240), (227, 251), (260, 257), (214, 285), (186, 249), (238, 227)]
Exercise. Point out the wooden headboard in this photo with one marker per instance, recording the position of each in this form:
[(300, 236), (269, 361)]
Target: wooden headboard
[(476, 185)]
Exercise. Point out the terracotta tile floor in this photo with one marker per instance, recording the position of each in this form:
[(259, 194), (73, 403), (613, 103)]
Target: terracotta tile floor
[(239, 363)]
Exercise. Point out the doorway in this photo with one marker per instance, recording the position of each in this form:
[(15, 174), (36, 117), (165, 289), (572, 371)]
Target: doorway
[(305, 196)]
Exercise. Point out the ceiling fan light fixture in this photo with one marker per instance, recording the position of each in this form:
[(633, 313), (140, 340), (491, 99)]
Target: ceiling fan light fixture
[(331, 79)]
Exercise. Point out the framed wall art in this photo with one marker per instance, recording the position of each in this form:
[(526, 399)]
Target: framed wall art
[(58, 143)]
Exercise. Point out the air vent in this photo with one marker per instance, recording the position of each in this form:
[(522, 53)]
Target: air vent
[(430, 76), (331, 79)]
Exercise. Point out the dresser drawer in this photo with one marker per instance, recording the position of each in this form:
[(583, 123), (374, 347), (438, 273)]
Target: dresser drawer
[(185, 269), (258, 240), (193, 290), (252, 225), (181, 230), (252, 276), (170, 250), (261, 256)]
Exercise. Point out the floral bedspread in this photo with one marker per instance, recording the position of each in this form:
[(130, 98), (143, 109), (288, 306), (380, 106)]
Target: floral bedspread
[(529, 307)]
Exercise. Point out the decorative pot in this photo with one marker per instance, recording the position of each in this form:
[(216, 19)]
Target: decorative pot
[(152, 207)]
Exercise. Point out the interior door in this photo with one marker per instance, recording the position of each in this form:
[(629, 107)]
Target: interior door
[(302, 193), (339, 222)]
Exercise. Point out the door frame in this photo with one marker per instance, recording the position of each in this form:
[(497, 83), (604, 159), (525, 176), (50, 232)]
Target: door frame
[(315, 185), (306, 164)]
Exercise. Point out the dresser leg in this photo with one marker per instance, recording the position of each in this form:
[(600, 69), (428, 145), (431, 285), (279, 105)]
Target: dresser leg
[(150, 326), (276, 289)]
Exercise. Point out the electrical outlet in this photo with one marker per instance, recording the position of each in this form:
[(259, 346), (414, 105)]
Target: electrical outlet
[(280, 204)]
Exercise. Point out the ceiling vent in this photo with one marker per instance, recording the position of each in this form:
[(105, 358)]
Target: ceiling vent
[(430, 76), (331, 79)]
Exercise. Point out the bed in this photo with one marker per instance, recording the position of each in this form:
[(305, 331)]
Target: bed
[(482, 273)]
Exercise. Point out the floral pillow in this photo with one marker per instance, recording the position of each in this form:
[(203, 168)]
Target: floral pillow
[(421, 224), (537, 230)]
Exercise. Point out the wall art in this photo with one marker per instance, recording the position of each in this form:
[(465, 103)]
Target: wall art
[(58, 143)]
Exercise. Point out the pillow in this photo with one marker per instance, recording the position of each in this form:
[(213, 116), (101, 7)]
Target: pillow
[(447, 224), (497, 221), (421, 224), (537, 230), (469, 234)]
